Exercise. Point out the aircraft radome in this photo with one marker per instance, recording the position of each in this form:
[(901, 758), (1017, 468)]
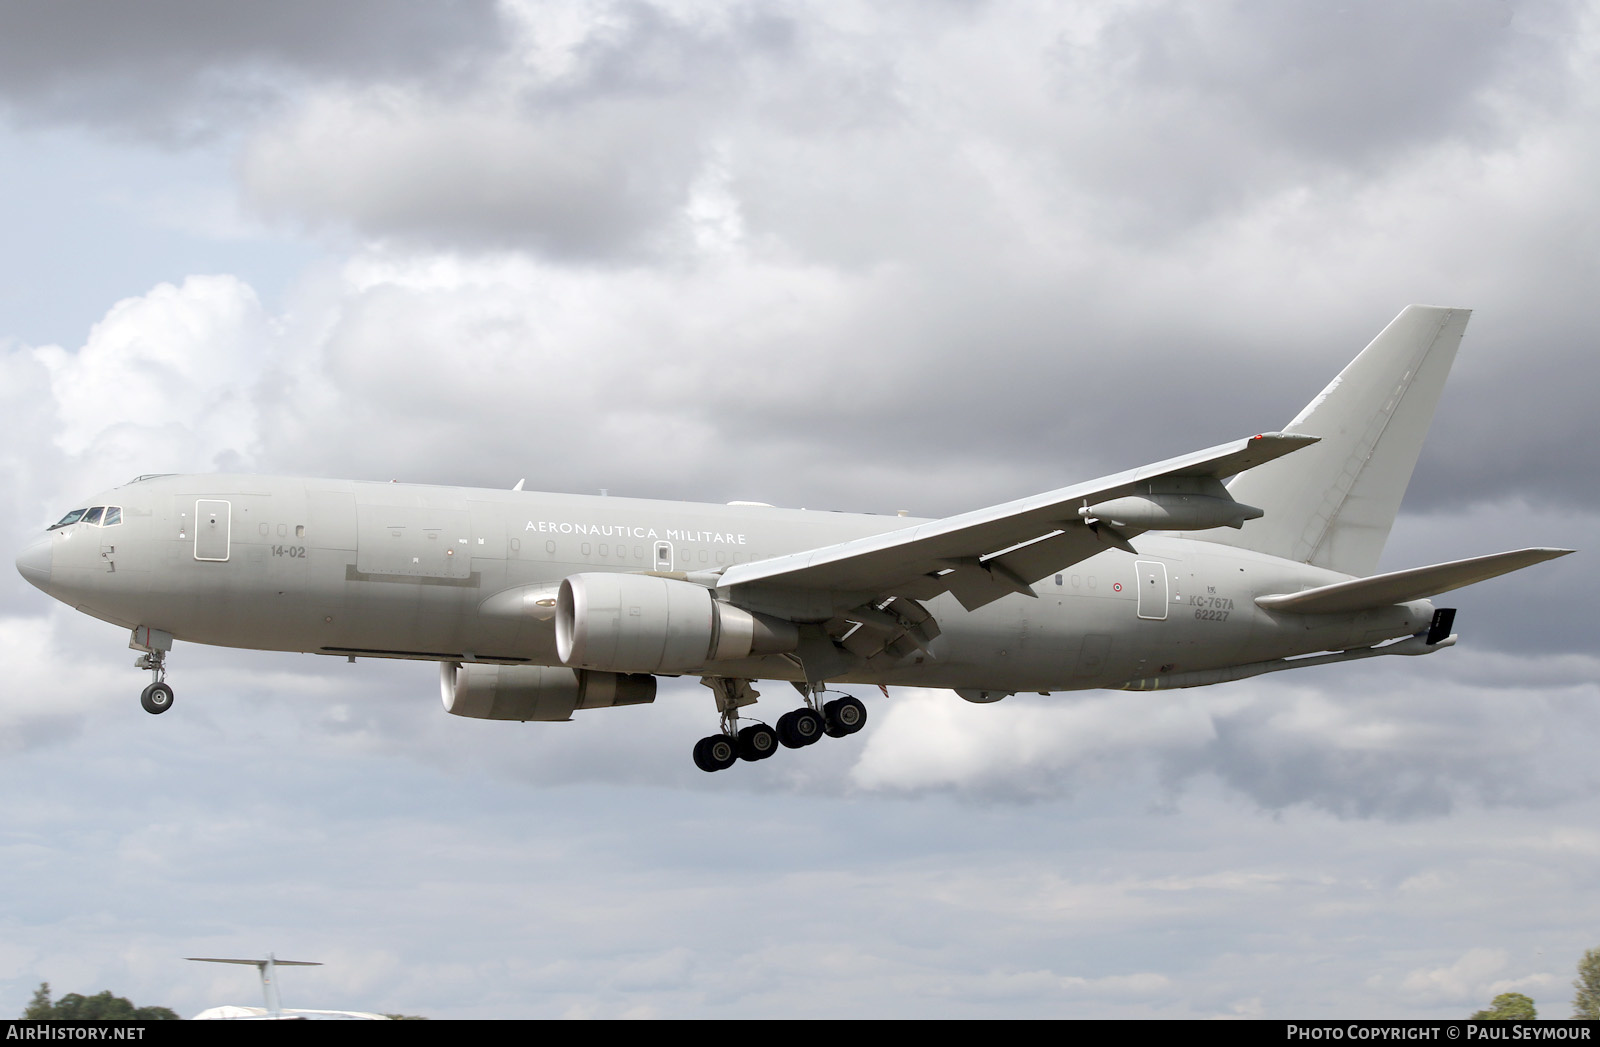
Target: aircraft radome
[(1241, 559)]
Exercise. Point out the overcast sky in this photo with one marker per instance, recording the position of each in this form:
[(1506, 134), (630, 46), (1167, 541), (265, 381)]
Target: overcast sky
[(852, 256)]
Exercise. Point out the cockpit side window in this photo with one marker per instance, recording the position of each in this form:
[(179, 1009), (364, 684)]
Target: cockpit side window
[(93, 515), (71, 518), (113, 516)]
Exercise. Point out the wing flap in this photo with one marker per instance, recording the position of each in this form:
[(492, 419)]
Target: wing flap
[(1385, 590)]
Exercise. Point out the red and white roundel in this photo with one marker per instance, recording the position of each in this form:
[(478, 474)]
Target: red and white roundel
[(1116, 587)]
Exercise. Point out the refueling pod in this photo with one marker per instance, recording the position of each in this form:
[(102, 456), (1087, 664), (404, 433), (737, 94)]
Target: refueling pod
[(535, 692), (1174, 504)]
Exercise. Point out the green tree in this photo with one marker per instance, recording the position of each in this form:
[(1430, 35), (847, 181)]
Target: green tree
[(1508, 1007), (1586, 1005), (101, 1007), (39, 1007)]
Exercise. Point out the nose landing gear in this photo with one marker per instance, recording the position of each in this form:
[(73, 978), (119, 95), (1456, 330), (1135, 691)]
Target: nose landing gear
[(156, 698)]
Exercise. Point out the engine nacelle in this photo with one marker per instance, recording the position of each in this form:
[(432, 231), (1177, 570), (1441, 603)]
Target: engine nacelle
[(535, 692), (636, 623)]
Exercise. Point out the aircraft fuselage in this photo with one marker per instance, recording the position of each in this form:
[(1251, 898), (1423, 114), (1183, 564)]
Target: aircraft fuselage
[(455, 574)]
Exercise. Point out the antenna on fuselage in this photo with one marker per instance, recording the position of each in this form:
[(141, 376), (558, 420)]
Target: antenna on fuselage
[(520, 483)]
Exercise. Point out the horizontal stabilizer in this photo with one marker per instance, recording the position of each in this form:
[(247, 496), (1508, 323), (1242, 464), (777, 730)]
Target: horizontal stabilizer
[(1385, 590), (257, 963)]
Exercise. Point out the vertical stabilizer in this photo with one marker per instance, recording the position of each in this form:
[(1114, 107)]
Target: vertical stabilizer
[(269, 980), (1332, 504)]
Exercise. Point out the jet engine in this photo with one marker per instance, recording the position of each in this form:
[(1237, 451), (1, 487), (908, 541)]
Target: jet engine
[(535, 692), (636, 623)]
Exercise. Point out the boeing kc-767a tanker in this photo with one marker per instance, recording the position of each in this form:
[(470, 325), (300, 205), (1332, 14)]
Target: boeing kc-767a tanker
[(1241, 559)]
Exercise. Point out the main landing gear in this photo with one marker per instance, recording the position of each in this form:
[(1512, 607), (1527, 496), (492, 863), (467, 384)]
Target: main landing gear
[(796, 729)]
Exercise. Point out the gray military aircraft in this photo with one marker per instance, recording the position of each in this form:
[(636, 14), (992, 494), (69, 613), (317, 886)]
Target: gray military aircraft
[(1241, 559)]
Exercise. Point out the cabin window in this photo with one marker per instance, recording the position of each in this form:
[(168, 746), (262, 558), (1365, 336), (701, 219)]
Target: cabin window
[(299, 530)]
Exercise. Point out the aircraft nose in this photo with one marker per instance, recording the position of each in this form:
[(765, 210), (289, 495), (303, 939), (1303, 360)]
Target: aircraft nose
[(34, 561)]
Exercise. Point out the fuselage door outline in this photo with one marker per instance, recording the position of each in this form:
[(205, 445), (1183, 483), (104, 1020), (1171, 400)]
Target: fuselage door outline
[(1152, 582), (213, 523)]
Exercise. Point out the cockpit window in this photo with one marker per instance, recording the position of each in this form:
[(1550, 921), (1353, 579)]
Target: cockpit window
[(93, 515), (113, 516), (71, 518)]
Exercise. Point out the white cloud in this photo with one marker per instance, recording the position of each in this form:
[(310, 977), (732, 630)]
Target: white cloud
[(167, 376), (932, 739), (567, 182), (1464, 980)]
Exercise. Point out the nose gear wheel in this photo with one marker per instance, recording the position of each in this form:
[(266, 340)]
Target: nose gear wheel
[(156, 698)]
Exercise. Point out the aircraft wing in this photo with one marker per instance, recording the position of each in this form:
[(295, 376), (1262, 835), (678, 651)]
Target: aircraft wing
[(986, 554)]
